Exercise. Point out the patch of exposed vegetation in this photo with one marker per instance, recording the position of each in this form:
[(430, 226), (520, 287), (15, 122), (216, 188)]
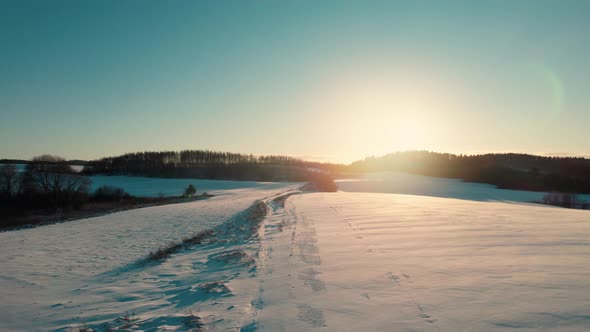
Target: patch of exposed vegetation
[(193, 322), (239, 228), (127, 321), (566, 200), (280, 201), (173, 247), (215, 288), (235, 256), (82, 327), (256, 214), (199, 238)]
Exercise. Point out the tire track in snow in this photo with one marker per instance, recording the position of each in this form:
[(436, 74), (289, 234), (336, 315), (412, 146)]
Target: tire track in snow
[(305, 243), (274, 223), (295, 240)]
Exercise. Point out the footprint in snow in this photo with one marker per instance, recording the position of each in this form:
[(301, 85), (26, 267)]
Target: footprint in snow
[(311, 316)]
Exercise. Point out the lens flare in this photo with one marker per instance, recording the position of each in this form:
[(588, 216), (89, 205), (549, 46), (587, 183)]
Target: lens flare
[(555, 83)]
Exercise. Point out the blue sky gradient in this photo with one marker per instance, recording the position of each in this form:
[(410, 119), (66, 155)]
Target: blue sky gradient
[(325, 80)]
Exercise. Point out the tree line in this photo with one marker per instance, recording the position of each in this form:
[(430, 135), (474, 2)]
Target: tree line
[(504, 170), (51, 181), (49, 189), (205, 164)]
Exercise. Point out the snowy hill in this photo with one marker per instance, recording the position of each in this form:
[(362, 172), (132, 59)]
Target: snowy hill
[(383, 262), (312, 261)]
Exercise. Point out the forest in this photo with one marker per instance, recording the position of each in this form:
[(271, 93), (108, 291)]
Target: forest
[(205, 164)]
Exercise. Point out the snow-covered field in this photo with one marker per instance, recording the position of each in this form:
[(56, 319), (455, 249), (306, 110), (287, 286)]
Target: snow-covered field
[(56, 276), (152, 187), (319, 261), (385, 262), (410, 184)]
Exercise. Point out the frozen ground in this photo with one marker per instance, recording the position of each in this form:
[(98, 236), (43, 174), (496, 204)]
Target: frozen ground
[(318, 261), (409, 184), (56, 276), (375, 262)]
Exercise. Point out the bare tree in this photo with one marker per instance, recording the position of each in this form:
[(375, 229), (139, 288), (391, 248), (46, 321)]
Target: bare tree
[(8, 180), (50, 176)]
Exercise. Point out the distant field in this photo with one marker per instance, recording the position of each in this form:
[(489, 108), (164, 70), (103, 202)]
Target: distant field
[(153, 187), (403, 183), (150, 187), (382, 182)]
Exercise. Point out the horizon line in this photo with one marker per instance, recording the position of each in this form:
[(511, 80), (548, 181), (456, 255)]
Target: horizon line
[(325, 160)]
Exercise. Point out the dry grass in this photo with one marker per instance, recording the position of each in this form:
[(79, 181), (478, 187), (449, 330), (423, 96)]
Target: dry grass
[(233, 256), (193, 322), (253, 217), (173, 247), (199, 237), (215, 288)]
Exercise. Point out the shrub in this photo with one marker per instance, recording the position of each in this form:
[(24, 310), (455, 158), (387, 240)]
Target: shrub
[(110, 194), (190, 191), (322, 181), (173, 247), (193, 322), (564, 200)]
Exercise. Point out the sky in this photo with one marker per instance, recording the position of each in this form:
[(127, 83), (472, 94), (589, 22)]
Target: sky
[(322, 80)]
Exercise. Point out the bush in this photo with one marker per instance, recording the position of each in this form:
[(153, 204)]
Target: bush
[(322, 181), (110, 194), (190, 191), (567, 200)]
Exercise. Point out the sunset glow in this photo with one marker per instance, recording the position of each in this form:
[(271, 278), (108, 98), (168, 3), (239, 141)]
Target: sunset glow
[(441, 77)]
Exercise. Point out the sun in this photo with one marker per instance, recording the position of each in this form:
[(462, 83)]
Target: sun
[(374, 112)]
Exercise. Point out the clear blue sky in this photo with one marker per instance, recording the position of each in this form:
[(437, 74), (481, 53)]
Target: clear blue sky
[(325, 80)]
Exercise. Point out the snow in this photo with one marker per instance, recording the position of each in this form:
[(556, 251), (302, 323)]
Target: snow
[(410, 184), (56, 276), (382, 262), (21, 167), (319, 261), (152, 187)]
